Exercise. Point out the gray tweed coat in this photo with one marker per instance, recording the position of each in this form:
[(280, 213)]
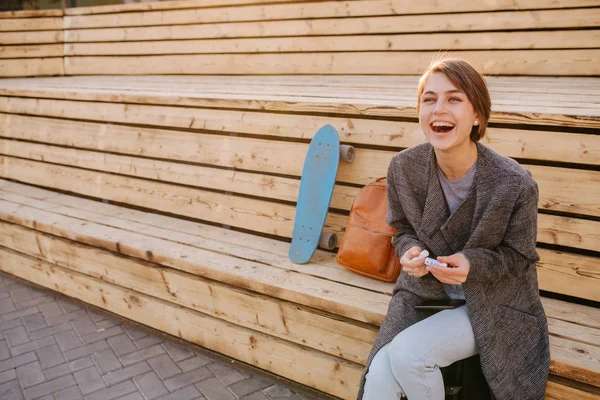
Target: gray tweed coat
[(495, 228)]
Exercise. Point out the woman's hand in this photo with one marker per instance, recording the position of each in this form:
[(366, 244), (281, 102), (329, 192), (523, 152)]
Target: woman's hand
[(455, 275), (412, 267)]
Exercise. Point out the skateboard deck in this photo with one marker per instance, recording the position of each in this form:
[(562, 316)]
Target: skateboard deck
[(316, 188)]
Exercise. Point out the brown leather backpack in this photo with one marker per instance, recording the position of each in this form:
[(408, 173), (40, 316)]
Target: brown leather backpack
[(367, 244)]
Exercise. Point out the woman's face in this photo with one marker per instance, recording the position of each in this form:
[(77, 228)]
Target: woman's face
[(445, 113)]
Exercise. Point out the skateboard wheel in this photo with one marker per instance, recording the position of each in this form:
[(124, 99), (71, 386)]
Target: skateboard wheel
[(347, 153), (328, 240)]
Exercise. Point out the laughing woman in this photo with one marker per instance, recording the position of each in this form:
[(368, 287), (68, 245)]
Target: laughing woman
[(476, 211)]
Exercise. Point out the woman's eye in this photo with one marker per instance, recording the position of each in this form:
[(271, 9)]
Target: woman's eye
[(428, 100), (455, 99)]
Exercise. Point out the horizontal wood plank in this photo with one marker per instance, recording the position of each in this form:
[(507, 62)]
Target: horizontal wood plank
[(31, 67), (493, 21), (284, 11), (31, 14), (29, 51), (410, 42), (558, 391), (275, 355), (31, 24), (31, 37), (185, 4), (501, 62)]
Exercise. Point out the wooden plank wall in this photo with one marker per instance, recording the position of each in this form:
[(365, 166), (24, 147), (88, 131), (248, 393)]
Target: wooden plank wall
[(31, 43), (337, 37), (303, 37)]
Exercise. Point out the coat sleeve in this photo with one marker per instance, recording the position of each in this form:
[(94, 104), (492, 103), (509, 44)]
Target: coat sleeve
[(517, 251), (406, 237)]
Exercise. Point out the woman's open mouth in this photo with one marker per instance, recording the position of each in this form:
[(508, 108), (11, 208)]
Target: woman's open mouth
[(441, 127)]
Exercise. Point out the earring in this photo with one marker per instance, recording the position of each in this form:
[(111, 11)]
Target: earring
[(476, 122)]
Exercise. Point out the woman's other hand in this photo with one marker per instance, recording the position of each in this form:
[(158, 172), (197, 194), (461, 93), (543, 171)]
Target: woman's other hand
[(411, 266), (455, 275)]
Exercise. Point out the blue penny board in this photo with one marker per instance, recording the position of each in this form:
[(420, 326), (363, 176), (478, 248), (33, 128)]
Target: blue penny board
[(316, 188)]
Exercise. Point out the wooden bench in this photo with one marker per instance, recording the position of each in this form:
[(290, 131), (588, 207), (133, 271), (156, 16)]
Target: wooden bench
[(170, 200)]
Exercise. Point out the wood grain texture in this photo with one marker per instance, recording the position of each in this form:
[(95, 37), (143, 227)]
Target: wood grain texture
[(408, 42), (463, 22), (31, 67), (298, 10), (516, 100)]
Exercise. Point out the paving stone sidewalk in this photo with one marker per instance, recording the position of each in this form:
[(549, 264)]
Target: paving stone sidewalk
[(53, 349)]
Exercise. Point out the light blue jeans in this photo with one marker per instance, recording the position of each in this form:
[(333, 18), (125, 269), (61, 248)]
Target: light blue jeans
[(410, 364)]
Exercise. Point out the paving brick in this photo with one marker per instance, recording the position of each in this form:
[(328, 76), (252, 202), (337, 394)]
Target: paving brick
[(84, 325), (101, 334), (86, 350), (122, 344), (72, 316), (249, 385), (89, 380), (132, 396), (255, 396), (31, 374), (164, 366), (226, 373), (113, 392), (19, 314), (278, 392), (68, 368), (8, 375), (70, 393), (69, 340), (194, 362), (106, 324), (213, 389), (7, 305), (107, 361), (177, 352), (22, 295), (16, 336), (51, 309), (36, 302), (148, 341), (127, 373), (188, 378), (46, 397), (14, 362), (68, 307), (33, 345), (187, 393), (51, 330), (4, 352), (34, 322), (151, 385), (10, 324), (135, 333), (11, 390), (49, 387), (142, 355), (50, 356)]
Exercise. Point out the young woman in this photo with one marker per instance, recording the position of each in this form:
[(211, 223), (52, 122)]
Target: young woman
[(476, 211)]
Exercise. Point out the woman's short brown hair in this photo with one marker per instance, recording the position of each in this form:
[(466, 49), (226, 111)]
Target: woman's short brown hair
[(467, 79)]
